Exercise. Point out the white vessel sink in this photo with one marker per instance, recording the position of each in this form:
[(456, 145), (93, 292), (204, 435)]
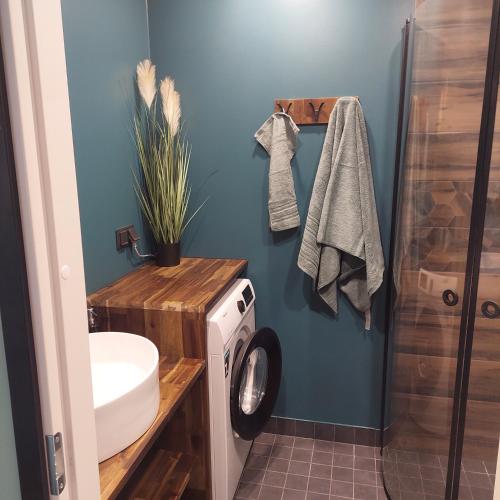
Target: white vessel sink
[(126, 389)]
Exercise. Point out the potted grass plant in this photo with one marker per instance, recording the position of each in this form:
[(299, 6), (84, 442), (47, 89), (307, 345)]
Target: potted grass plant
[(163, 153)]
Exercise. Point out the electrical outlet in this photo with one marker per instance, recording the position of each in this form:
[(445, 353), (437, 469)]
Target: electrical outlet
[(125, 236)]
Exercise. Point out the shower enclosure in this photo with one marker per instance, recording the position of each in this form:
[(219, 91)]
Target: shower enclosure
[(442, 418)]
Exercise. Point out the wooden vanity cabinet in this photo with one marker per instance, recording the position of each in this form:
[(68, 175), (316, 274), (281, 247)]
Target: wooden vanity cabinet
[(168, 306)]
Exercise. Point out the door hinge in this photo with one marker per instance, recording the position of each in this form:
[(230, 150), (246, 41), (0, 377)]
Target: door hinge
[(55, 463)]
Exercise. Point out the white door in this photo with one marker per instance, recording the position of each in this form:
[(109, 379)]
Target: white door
[(33, 48)]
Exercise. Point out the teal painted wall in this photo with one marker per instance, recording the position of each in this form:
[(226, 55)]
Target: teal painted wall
[(230, 59), (9, 476), (104, 41)]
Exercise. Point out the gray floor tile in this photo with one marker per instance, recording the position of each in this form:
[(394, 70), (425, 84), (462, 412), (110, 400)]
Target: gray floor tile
[(341, 489), (283, 467), (248, 490), (296, 482), (300, 468), (343, 460), (319, 485), (304, 443), (343, 448), (273, 478), (321, 457), (294, 495), (284, 452), (323, 446), (318, 470), (270, 493), (365, 477), (301, 455), (253, 475), (278, 464), (364, 492), (265, 438)]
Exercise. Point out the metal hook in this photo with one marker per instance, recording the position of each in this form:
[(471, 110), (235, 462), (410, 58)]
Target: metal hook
[(283, 109), (316, 111)]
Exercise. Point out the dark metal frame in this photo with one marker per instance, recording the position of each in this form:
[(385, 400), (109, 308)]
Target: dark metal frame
[(16, 322), (395, 203), (474, 252)]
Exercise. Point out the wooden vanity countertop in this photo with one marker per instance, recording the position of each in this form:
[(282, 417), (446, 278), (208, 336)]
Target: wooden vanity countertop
[(192, 286)]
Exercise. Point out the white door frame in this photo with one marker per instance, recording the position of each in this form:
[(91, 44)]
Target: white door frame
[(33, 48)]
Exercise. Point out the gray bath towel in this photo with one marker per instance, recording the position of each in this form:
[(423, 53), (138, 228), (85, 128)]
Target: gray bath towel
[(341, 241), (278, 137)]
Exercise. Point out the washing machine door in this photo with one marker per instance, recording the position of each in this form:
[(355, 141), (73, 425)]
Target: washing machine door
[(255, 382)]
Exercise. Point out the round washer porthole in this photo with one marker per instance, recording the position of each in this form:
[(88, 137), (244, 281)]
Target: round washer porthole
[(255, 382)]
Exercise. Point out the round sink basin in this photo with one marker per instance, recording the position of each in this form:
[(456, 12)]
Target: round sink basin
[(126, 389)]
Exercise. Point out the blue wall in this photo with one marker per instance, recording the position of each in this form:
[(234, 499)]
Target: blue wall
[(104, 41), (9, 476), (230, 59)]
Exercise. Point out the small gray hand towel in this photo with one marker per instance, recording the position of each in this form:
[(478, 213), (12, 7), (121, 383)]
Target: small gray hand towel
[(341, 242), (278, 137)]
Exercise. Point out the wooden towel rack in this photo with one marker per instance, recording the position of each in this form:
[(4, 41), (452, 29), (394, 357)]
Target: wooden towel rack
[(307, 111)]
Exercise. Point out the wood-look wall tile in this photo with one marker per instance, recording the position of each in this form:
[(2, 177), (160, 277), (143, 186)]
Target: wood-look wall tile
[(445, 12), (448, 156), (440, 203), (451, 53), (433, 335), (454, 107), (437, 249), (415, 298)]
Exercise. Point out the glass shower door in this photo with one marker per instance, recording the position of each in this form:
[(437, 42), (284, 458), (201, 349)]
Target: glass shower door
[(436, 190), (482, 422)]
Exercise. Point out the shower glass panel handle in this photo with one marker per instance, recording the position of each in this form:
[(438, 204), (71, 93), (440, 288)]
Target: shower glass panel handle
[(450, 297), (490, 309)]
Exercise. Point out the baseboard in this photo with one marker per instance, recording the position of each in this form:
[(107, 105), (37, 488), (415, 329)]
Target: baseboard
[(365, 436)]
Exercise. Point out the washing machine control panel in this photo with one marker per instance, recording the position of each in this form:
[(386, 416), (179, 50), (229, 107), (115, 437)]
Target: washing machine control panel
[(231, 308)]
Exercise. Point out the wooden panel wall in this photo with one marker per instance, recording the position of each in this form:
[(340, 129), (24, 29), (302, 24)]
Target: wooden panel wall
[(451, 46)]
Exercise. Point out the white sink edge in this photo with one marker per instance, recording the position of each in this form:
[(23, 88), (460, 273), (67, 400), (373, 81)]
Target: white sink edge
[(145, 377), (127, 382)]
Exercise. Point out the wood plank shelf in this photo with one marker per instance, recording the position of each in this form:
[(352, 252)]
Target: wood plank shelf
[(164, 475), (176, 380)]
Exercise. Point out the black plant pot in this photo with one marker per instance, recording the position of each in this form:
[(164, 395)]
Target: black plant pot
[(169, 254)]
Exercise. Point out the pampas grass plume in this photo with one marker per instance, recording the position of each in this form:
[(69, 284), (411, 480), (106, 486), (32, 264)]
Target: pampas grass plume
[(146, 81), (171, 101)]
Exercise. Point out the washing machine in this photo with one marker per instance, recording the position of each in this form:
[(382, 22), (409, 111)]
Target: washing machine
[(244, 373)]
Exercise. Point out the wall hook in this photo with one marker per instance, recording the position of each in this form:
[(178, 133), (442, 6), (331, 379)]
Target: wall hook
[(316, 111), (283, 109)]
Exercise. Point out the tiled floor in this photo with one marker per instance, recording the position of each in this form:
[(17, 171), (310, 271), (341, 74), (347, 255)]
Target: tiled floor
[(412, 476), (282, 467)]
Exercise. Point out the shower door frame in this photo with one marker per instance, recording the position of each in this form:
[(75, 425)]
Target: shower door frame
[(474, 252)]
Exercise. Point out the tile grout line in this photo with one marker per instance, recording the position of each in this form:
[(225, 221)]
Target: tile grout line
[(288, 468), (267, 465)]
